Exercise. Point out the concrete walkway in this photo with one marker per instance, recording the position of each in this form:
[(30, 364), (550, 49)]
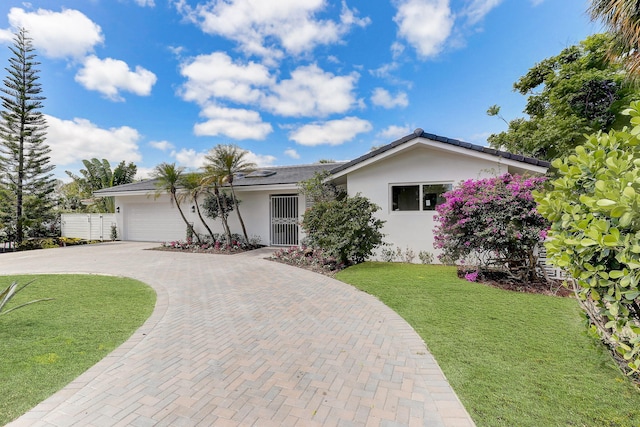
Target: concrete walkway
[(242, 341)]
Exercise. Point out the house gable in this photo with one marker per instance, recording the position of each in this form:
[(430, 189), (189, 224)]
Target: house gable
[(510, 162)]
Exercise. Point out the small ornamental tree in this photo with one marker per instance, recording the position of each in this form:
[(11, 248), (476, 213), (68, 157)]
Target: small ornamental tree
[(215, 206), (346, 229), (594, 209), (494, 222)]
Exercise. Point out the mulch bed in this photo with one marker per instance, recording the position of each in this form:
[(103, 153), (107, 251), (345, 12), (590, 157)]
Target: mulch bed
[(502, 281), (309, 267), (198, 250)]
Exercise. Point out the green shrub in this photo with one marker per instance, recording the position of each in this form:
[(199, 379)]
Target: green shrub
[(70, 241), (425, 257), (345, 229), (594, 207)]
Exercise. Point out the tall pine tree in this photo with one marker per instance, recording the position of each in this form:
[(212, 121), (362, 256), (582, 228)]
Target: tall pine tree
[(25, 172)]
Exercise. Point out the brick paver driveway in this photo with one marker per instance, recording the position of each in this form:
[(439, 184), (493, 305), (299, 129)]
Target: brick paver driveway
[(239, 340)]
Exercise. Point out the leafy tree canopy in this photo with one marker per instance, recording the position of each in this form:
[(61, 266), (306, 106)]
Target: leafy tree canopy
[(98, 175), (578, 92)]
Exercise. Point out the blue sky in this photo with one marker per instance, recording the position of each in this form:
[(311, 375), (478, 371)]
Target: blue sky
[(290, 81)]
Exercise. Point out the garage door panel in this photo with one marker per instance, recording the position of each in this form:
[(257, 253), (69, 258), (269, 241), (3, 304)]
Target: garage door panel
[(153, 222)]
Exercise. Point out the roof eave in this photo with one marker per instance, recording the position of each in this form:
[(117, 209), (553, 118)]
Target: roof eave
[(419, 137)]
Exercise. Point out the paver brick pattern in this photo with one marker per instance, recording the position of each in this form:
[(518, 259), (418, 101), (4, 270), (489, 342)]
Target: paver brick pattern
[(236, 340)]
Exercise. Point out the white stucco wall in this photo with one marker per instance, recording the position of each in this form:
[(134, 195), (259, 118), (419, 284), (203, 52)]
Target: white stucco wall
[(163, 222), (418, 165), (255, 210)]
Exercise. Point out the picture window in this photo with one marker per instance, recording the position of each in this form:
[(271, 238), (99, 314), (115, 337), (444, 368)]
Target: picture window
[(418, 197)]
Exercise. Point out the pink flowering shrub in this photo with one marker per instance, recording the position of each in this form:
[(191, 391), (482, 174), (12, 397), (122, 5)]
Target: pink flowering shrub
[(493, 221), (472, 276), (236, 245)]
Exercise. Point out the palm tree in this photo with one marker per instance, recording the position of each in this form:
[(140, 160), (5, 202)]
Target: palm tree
[(227, 161), (98, 175), (211, 178), (623, 19), (169, 177), (192, 184)]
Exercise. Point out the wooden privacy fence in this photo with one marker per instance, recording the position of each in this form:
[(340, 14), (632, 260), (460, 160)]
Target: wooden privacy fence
[(95, 226)]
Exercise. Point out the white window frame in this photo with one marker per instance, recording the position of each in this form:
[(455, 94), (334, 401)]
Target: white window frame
[(420, 195)]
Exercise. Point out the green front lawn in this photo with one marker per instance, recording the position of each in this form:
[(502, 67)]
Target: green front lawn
[(514, 359), (46, 345)]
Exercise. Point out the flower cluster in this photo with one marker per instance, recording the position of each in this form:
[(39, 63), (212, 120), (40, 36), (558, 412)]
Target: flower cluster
[(217, 246), (472, 276), (494, 220), (306, 257)]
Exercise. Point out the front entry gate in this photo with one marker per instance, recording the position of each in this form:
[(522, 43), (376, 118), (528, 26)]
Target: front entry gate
[(284, 220)]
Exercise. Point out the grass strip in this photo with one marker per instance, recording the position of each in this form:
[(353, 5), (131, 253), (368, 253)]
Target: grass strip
[(46, 345), (514, 359)]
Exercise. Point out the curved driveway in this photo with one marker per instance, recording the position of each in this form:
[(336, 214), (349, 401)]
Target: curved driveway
[(242, 341)]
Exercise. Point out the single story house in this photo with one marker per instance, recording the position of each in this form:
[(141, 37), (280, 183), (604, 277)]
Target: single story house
[(406, 178)]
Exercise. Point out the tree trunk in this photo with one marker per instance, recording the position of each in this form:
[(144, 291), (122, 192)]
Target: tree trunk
[(189, 226), (235, 202), (222, 211), (213, 239)]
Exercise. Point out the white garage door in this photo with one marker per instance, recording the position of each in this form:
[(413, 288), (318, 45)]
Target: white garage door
[(153, 222)]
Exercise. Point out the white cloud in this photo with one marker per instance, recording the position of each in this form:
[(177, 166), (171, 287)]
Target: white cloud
[(143, 3), (6, 36), (290, 152), (309, 92), (393, 132), (397, 49), (189, 158), (161, 145), (260, 159), (478, 9), (385, 70), (424, 24), (265, 28), (64, 34), (144, 173), (74, 140), (217, 76), (235, 123), (383, 98), (312, 92), (332, 132), (110, 76)]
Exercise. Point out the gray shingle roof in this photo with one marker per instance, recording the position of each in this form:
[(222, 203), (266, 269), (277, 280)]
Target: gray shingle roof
[(286, 174), (420, 133), (295, 174), (282, 175)]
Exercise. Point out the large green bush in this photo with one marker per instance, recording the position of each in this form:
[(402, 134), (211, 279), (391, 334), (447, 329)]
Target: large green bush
[(345, 229), (594, 207)]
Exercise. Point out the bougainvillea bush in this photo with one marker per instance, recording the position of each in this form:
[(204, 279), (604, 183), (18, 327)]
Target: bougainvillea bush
[(492, 223)]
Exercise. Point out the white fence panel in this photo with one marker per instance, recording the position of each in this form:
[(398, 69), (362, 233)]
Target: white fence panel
[(88, 226), (551, 271)]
